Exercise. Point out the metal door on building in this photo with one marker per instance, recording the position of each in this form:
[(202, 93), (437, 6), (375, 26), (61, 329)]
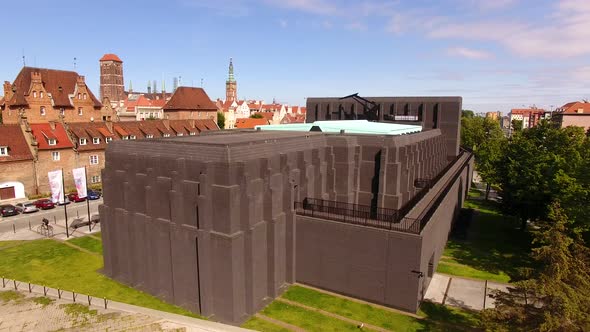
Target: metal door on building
[(7, 193)]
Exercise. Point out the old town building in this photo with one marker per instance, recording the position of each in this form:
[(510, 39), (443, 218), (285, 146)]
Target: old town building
[(231, 86), (112, 84), (17, 167), (42, 95), (190, 103), (530, 117), (574, 114)]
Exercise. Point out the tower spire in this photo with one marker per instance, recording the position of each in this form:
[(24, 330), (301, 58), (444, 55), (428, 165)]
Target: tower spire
[(231, 71)]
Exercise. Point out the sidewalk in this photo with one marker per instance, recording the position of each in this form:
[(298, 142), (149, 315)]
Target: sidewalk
[(463, 292), (147, 315), (59, 232)]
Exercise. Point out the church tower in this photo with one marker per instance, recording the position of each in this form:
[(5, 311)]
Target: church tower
[(111, 78), (231, 86)]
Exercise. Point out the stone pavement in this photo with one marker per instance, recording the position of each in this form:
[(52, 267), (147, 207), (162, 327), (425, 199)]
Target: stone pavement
[(22, 310), (59, 232), (462, 292)]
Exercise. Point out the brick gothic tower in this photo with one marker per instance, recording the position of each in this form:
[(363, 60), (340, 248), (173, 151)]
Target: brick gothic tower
[(111, 78), (231, 86)]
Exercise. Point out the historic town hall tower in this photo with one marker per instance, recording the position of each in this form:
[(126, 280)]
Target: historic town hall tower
[(111, 78), (231, 86)]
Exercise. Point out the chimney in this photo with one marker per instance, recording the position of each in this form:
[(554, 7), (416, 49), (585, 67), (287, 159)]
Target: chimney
[(52, 125), (35, 77), (8, 93)]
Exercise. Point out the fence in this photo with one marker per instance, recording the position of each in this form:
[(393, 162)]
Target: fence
[(54, 292), (357, 214), (384, 218)]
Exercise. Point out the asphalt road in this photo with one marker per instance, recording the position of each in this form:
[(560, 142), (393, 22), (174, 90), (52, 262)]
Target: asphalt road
[(74, 209)]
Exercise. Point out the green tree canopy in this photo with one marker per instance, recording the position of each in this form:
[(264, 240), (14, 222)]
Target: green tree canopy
[(221, 120), (256, 116), (556, 296), (486, 139), (542, 165)]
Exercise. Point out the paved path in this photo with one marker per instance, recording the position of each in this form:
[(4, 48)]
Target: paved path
[(74, 210), (462, 292), (22, 310)]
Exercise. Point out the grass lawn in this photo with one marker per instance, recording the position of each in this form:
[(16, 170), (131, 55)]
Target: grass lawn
[(436, 317), (493, 249), (258, 324), (54, 264), (88, 243), (5, 244)]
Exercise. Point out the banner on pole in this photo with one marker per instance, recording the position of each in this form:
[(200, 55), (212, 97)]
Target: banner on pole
[(56, 185), (80, 181)]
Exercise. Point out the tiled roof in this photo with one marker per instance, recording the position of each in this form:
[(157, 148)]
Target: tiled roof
[(90, 130), (250, 123), (267, 115), (192, 99), (110, 57), (572, 108), (43, 131), (59, 83), (12, 137), (120, 130), (303, 110), (526, 110), (293, 118)]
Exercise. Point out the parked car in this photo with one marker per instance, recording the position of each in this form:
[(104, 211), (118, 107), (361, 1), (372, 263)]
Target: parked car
[(73, 197), (44, 204), (65, 202), (93, 194), (7, 210), (28, 207)]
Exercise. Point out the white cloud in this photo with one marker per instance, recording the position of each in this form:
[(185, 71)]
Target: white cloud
[(560, 35), (356, 26), (469, 53)]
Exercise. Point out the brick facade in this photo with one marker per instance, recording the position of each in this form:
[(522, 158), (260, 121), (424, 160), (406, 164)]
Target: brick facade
[(112, 84), (22, 171), (43, 95)]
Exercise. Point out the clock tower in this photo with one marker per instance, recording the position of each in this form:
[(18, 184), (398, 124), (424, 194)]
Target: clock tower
[(231, 86)]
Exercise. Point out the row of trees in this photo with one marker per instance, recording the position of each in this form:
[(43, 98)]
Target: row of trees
[(543, 176)]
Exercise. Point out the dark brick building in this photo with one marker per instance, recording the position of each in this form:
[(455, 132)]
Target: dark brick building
[(112, 83), (222, 223)]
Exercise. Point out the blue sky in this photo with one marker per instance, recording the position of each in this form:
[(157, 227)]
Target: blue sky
[(497, 54)]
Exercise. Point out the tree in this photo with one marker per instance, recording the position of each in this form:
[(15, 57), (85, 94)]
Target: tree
[(256, 116), (542, 165), (486, 139), (467, 113), (517, 125), (221, 120), (556, 297)]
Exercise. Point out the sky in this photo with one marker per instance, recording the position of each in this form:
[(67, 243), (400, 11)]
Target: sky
[(496, 54)]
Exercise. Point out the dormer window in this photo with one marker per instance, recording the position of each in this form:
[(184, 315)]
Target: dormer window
[(192, 133), (179, 134), (3, 151), (83, 141), (51, 141), (580, 110), (42, 111), (95, 140), (126, 137), (132, 137), (79, 110), (166, 135), (149, 136), (108, 140)]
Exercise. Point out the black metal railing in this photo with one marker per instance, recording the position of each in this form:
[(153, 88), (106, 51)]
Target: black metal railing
[(357, 214), (384, 218)]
